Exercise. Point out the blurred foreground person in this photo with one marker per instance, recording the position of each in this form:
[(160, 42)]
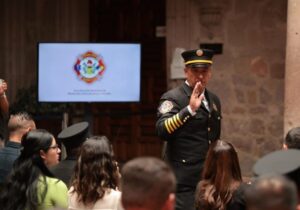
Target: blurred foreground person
[(283, 162), (31, 186), (96, 178), (272, 192), (148, 184)]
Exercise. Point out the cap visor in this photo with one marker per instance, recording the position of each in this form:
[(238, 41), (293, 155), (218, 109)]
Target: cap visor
[(199, 65)]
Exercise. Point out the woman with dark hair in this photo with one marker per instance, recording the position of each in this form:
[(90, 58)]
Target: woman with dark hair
[(220, 187), (31, 185), (96, 178)]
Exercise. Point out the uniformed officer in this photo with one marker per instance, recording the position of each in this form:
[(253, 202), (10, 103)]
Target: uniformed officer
[(72, 137), (189, 119), (283, 162)]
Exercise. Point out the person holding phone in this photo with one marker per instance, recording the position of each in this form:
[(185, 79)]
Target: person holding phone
[(189, 120)]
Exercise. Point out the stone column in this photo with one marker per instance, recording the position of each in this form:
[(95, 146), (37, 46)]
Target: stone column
[(292, 67)]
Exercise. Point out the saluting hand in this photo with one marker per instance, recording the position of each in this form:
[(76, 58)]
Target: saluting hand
[(197, 96)]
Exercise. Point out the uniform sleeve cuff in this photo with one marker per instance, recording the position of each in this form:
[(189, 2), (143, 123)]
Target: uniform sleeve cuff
[(3, 95), (191, 111)]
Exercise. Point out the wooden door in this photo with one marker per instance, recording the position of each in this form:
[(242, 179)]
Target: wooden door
[(131, 126)]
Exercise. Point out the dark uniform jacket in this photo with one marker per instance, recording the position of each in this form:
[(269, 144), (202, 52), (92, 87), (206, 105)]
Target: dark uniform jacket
[(188, 137), (64, 170)]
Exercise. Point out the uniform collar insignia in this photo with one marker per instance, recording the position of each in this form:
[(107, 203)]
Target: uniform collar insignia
[(215, 107)]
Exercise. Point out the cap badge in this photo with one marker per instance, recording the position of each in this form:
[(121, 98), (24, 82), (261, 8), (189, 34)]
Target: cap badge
[(165, 107), (199, 52)]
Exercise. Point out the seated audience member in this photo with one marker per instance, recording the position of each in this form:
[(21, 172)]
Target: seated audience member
[(96, 177), (220, 187), (283, 162), (4, 112), (292, 139), (271, 192), (31, 185), (148, 184), (18, 125), (72, 137)]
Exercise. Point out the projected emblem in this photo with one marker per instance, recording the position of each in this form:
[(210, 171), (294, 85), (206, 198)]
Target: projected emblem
[(89, 67)]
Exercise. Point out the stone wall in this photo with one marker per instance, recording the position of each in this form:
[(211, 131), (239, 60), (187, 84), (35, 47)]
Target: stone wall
[(292, 66), (249, 75)]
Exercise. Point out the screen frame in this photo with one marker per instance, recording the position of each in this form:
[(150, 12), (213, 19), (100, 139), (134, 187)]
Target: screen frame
[(80, 102)]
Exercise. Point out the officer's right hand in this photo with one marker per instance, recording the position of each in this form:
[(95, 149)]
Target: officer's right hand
[(197, 96)]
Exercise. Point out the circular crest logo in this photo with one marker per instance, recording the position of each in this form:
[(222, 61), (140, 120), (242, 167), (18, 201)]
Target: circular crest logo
[(89, 67)]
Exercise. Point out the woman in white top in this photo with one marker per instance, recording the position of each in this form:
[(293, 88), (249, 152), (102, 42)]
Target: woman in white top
[(96, 178)]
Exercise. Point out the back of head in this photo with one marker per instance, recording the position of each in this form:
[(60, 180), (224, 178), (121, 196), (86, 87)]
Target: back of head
[(271, 192), (292, 139), (19, 124), (95, 170), (96, 146), (146, 183), (222, 163), (220, 178)]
